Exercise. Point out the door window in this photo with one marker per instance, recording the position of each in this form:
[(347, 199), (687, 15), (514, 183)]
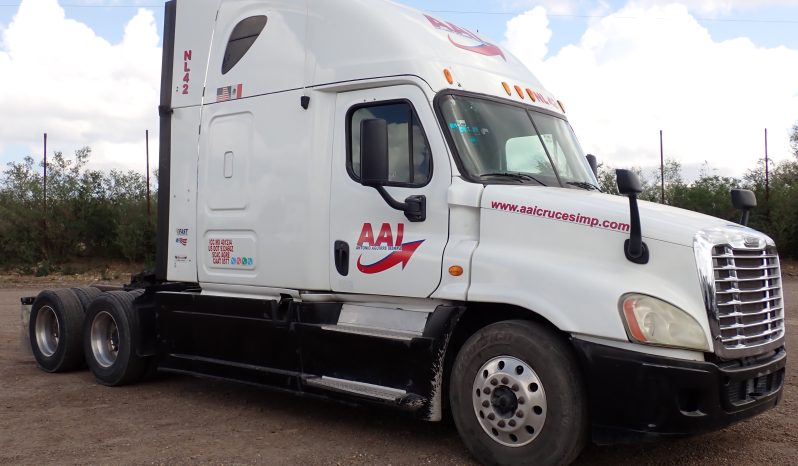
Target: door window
[(409, 156)]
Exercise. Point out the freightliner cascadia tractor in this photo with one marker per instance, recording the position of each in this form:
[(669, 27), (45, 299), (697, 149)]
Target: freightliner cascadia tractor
[(361, 201)]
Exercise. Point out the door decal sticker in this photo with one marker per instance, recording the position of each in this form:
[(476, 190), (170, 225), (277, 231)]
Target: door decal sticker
[(398, 251)]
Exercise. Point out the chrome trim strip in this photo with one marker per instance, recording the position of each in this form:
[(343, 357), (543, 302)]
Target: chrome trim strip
[(359, 388), (372, 332), (733, 280), (745, 314), (757, 290), (737, 302), (754, 324), (762, 267)]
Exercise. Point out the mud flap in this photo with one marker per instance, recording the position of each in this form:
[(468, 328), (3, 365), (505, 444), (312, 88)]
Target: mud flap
[(24, 338)]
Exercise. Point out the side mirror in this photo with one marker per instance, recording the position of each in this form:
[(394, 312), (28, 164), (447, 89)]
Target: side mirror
[(629, 185), (373, 152), (374, 169), (593, 162), (743, 200)]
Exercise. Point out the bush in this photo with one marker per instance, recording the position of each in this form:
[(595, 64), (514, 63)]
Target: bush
[(776, 215), (88, 214)]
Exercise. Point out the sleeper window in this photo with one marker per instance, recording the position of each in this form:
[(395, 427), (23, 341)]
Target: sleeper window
[(241, 39), (409, 155)]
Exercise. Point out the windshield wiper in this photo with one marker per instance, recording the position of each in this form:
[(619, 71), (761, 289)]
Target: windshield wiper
[(515, 175), (584, 185)]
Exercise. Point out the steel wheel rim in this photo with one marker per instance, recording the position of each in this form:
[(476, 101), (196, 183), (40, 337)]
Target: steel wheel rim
[(104, 339), (509, 401), (47, 330)]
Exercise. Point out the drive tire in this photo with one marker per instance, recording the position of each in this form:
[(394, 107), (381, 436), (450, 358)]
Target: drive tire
[(110, 336), (552, 380), (56, 330), (86, 295)]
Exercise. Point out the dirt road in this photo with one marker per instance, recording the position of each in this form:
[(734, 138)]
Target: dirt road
[(67, 419)]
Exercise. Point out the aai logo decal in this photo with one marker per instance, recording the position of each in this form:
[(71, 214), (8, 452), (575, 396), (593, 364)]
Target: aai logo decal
[(396, 251), (466, 39)]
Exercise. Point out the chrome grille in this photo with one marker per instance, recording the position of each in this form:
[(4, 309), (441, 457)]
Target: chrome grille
[(749, 308)]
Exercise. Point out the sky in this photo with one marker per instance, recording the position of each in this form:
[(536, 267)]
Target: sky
[(710, 74)]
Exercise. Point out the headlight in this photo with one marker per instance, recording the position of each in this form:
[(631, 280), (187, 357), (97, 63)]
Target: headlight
[(652, 321)]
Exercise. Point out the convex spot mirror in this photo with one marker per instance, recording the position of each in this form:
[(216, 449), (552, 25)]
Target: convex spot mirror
[(628, 182), (593, 162), (743, 199)]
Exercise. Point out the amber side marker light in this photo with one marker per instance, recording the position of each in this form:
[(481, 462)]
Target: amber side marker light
[(448, 75), (507, 89), (531, 95), (520, 92), (455, 270), (629, 313)]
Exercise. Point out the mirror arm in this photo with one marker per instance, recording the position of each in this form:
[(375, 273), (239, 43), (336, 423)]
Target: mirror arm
[(744, 216), (634, 247), (414, 207)]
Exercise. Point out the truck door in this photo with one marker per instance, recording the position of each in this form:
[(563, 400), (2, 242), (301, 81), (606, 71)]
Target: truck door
[(375, 249)]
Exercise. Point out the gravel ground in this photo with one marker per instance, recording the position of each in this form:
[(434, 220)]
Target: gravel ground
[(68, 419)]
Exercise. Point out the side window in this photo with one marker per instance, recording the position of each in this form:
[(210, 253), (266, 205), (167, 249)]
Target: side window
[(241, 39), (409, 155)]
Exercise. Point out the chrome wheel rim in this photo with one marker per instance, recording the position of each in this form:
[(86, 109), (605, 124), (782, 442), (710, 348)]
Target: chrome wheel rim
[(48, 331), (509, 401), (104, 339)]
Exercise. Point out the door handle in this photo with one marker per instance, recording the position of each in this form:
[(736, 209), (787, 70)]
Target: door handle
[(341, 254)]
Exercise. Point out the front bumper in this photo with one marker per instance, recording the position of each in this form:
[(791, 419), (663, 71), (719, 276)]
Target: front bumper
[(635, 396)]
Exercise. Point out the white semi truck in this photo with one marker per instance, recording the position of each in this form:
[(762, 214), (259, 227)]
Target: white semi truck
[(362, 201)]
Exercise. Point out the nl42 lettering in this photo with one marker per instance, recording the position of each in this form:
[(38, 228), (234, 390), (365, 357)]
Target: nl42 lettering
[(187, 70)]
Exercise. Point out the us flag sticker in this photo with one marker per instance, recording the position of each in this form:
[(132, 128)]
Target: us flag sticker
[(229, 92)]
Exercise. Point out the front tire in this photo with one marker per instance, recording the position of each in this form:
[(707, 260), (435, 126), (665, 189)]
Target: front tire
[(517, 396)]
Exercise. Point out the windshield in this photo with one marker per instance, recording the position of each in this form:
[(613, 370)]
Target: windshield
[(499, 142)]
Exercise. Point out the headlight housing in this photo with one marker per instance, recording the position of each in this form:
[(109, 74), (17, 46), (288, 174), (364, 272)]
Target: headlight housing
[(652, 321)]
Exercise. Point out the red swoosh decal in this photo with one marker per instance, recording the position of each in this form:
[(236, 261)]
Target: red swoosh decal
[(397, 257), (485, 48)]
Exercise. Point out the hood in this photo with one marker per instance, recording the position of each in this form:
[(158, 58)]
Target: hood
[(598, 210)]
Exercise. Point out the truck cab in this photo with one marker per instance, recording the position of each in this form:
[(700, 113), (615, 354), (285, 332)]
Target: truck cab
[(362, 201)]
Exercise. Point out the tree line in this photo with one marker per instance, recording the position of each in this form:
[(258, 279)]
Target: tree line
[(88, 214), (777, 210), (92, 214)]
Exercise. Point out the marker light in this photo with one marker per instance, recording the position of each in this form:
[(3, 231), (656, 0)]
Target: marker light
[(651, 321), (507, 88), (562, 107), (448, 75), (519, 91), (455, 270), (531, 95)]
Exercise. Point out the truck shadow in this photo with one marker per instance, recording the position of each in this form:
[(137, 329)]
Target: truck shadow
[(384, 433)]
